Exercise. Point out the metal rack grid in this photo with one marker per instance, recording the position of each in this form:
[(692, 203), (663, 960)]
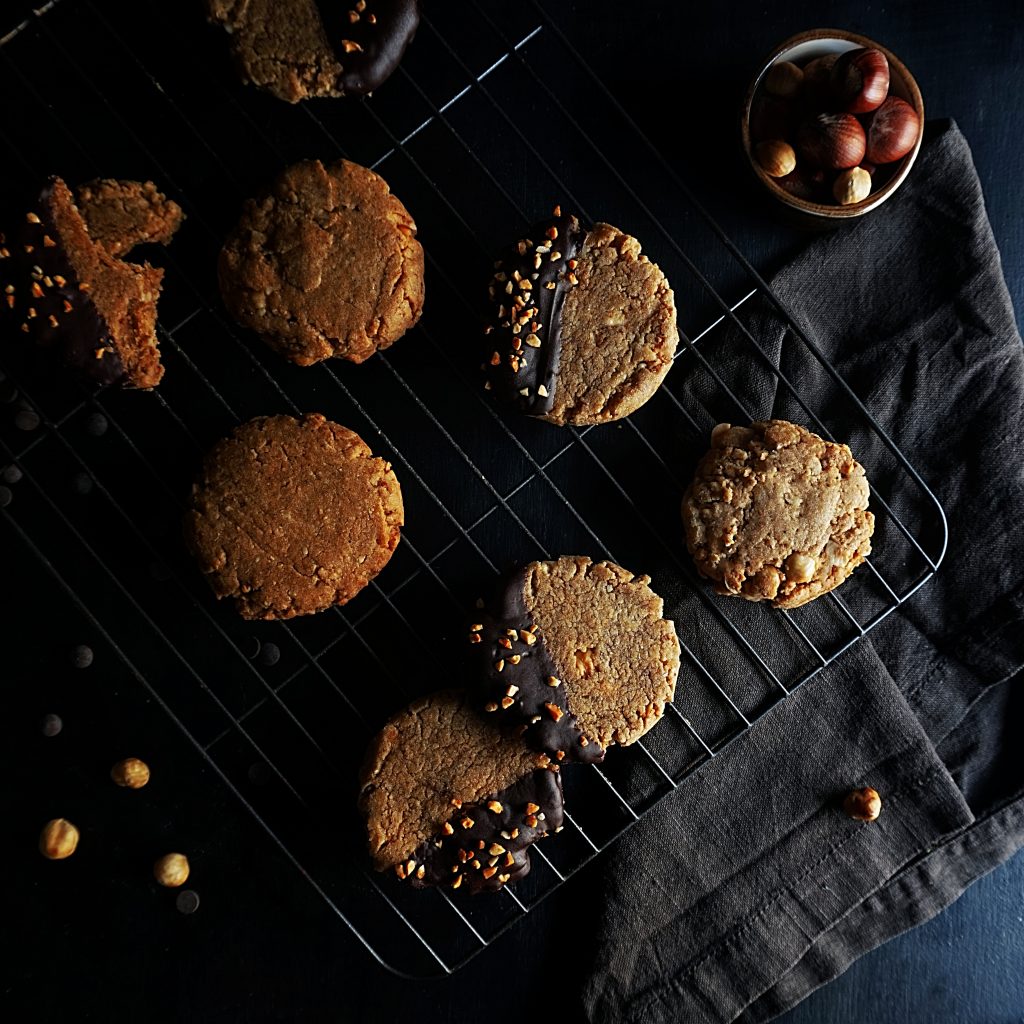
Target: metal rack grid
[(478, 145)]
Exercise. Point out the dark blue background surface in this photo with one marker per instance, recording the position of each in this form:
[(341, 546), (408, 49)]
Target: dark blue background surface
[(94, 939)]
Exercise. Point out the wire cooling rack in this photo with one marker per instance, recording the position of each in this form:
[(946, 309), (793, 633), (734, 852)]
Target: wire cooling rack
[(481, 131)]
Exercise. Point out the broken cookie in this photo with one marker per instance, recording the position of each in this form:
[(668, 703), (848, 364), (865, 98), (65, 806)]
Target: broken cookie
[(123, 214), (69, 293)]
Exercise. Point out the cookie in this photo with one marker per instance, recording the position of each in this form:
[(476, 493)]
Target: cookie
[(289, 517), (300, 48), (326, 264), (577, 654), (123, 214), (450, 800), (776, 513), (584, 325), (68, 293)]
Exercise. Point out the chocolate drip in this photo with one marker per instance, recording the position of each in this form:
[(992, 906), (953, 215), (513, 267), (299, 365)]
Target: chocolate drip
[(528, 288), (485, 845), (44, 300), (520, 682), (369, 38)]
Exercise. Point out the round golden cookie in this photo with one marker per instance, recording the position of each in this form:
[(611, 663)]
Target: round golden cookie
[(584, 325), (451, 800), (776, 513), (577, 654), (289, 517), (326, 264), (618, 332)]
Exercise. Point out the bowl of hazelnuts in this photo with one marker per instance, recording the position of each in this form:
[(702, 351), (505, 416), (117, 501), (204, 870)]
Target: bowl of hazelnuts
[(832, 123)]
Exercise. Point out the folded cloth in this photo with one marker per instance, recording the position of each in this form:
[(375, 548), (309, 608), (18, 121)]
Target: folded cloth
[(748, 887)]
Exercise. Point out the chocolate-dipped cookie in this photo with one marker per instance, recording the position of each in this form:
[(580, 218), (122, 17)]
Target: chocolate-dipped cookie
[(450, 800), (584, 325), (776, 513), (290, 517), (325, 264), (123, 214), (296, 49), (576, 654), (66, 292)]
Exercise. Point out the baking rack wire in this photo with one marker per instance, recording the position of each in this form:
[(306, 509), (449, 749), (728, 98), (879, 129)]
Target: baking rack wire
[(540, 471)]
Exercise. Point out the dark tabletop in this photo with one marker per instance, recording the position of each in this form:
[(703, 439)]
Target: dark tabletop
[(93, 939)]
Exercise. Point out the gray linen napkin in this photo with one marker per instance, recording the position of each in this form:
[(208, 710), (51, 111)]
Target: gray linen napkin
[(748, 887)]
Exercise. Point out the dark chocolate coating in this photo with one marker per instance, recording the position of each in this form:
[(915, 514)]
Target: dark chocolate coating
[(527, 290), (514, 672), (481, 848), (369, 42), (43, 299)]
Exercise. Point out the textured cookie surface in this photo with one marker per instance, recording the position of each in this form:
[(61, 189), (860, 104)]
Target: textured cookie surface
[(296, 49), (123, 214), (290, 516), (327, 264), (579, 653), (777, 513), (449, 799), (585, 325), (67, 292)]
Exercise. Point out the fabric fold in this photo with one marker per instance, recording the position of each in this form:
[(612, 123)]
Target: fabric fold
[(747, 887)]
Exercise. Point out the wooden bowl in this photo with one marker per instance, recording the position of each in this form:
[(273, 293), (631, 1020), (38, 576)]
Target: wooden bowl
[(806, 46)]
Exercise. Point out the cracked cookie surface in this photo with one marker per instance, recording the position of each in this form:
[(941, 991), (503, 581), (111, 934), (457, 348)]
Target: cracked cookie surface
[(326, 264), (777, 513), (289, 517)]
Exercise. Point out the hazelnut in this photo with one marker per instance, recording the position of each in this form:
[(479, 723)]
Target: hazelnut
[(892, 131), (860, 80), (59, 839), (131, 772), (863, 804), (171, 870), (835, 141), (784, 79), (800, 568), (818, 75), (852, 186), (775, 157)]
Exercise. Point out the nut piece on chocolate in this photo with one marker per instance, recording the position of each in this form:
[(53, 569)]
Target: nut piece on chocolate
[(66, 292), (450, 800), (326, 264), (584, 325), (123, 214), (296, 49), (776, 513), (289, 517), (577, 654)]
